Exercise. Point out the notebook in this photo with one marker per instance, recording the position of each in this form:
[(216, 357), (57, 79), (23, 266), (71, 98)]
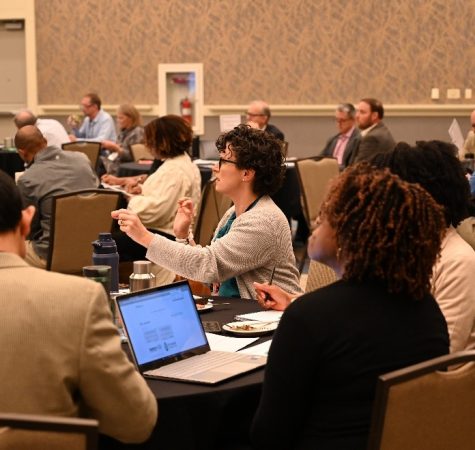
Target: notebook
[(167, 339)]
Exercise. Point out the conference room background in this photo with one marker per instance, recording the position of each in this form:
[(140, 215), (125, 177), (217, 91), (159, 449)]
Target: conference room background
[(301, 56)]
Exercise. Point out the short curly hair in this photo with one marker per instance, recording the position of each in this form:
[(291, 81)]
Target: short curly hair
[(435, 167), (257, 150), (168, 136), (387, 229)]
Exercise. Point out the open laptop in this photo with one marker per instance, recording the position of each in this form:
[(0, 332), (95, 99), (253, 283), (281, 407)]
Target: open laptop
[(167, 339)]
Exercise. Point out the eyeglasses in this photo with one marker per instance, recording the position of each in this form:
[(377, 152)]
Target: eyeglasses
[(250, 114), (82, 105), (222, 160), (342, 120)]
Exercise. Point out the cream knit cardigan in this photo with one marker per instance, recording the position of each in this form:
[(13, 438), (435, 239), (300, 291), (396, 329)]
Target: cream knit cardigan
[(258, 240)]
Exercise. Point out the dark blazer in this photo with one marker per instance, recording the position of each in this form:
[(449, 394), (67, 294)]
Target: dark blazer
[(272, 129), (352, 145), (378, 140)]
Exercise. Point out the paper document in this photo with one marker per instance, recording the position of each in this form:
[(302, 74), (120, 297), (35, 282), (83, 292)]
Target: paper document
[(456, 136), (114, 187), (228, 121), (262, 316), (259, 349), (228, 344)]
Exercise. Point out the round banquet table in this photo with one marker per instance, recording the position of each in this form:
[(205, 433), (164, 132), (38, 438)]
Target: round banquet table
[(194, 416)]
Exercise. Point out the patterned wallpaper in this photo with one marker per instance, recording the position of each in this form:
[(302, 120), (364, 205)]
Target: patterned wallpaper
[(285, 51)]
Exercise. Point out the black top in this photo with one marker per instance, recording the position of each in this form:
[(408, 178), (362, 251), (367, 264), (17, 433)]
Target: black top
[(327, 353)]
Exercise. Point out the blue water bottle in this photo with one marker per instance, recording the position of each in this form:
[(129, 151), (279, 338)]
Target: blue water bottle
[(105, 254)]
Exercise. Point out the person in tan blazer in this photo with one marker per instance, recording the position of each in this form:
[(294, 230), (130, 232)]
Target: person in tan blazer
[(60, 350)]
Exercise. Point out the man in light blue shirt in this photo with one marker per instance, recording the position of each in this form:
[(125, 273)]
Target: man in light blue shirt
[(97, 125)]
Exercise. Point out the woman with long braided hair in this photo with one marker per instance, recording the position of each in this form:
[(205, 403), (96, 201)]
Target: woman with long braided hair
[(382, 236)]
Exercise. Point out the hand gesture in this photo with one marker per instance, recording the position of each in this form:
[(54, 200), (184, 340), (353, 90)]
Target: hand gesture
[(183, 218), (272, 296), (130, 224)]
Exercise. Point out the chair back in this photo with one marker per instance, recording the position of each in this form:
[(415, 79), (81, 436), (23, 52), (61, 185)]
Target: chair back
[(212, 207), (319, 275), (35, 432), (425, 407), (90, 149), (139, 151), (314, 175), (77, 219), (285, 148), (467, 231)]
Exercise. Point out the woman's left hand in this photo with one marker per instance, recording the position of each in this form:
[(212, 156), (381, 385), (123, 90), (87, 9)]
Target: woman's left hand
[(130, 224)]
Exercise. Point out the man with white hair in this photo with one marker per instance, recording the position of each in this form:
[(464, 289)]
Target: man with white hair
[(258, 115), (51, 129)]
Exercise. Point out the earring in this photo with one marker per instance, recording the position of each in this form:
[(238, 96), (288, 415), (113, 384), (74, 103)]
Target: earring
[(338, 253)]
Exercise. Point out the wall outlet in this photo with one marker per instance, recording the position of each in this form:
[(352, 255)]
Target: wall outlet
[(435, 94), (468, 94), (453, 94)]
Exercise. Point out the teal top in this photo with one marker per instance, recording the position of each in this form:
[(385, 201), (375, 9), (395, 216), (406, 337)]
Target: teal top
[(229, 288)]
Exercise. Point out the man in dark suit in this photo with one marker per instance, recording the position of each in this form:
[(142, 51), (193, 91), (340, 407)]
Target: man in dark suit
[(342, 145), (258, 115), (375, 136)]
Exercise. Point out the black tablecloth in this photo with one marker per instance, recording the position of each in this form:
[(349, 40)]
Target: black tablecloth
[(10, 162), (132, 169)]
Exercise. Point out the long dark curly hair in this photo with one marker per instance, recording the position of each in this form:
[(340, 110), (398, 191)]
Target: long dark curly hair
[(386, 229), (257, 150)]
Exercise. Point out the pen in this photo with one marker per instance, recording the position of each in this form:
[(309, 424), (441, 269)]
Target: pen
[(266, 297)]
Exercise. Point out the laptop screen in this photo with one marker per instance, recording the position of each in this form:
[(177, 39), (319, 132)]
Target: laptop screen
[(162, 323)]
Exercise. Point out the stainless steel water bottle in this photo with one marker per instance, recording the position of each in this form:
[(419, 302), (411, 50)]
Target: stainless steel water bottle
[(142, 277)]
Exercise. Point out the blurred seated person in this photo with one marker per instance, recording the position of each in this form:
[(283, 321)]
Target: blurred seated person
[(156, 200), (132, 184), (435, 166), (252, 238), (51, 129), (258, 115), (50, 171), (332, 344), (131, 132), (97, 125), (342, 145), (61, 352)]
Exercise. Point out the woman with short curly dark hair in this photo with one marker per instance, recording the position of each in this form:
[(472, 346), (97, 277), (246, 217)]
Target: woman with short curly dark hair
[(252, 240), (382, 236)]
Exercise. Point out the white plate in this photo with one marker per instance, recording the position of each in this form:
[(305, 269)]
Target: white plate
[(250, 327), (202, 308)]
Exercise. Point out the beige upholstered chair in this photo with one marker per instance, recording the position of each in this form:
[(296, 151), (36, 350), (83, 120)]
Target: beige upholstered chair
[(77, 219), (467, 231), (314, 175), (90, 149), (424, 407), (34, 432), (319, 275), (212, 207), (139, 151)]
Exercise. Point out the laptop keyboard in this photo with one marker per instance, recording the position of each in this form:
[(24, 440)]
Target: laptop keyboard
[(196, 364)]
